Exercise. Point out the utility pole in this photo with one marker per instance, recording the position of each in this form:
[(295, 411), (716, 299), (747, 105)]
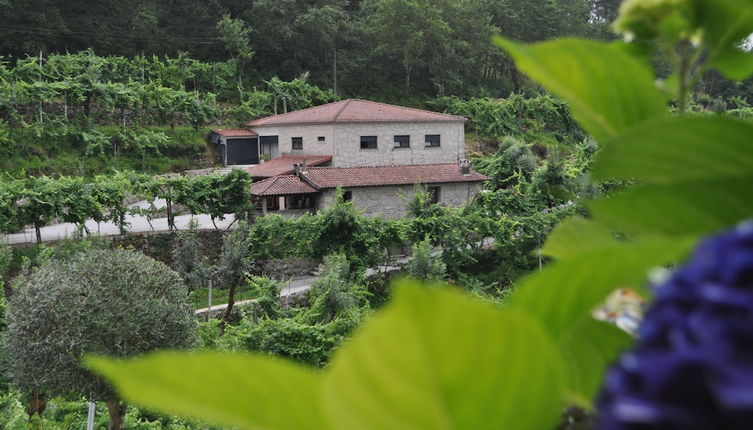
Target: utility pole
[(334, 69)]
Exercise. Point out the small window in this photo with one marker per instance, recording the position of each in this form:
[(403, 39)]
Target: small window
[(368, 142), (347, 196), (432, 140), (434, 194), (402, 141), (297, 142), (320, 139)]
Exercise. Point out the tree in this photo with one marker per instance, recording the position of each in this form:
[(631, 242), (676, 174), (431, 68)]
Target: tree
[(118, 303), (189, 260), (424, 265), (235, 35), (336, 291), (234, 264)]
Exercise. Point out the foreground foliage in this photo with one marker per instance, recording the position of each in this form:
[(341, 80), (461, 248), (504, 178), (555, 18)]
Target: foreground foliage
[(434, 358)]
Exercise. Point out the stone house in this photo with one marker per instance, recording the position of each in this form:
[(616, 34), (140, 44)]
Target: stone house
[(376, 152), (374, 190)]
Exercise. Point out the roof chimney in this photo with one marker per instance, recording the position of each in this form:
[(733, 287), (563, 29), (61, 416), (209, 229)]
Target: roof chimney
[(297, 168), (465, 167)]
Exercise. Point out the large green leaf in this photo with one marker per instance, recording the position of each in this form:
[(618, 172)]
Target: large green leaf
[(250, 392), (567, 291), (679, 149), (590, 346), (574, 236), (693, 207), (437, 359), (607, 89), (726, 24)]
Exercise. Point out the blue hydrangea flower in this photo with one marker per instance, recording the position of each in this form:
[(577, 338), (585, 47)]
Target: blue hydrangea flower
[(692, 365)]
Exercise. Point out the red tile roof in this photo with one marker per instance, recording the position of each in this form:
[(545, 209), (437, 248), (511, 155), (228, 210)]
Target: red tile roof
[(284, 165), (284, 185), (234, 132), (355, 110), (371, 176)]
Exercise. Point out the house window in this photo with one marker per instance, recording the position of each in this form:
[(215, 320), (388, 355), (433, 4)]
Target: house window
[(434, 195), (432, 140), (347, 196), (368, 142), (402, 141), (297, 142), (320, 139)]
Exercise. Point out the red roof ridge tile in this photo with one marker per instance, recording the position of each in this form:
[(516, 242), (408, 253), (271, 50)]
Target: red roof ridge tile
[(458, 117), (337, 115), (378, 166), (354, 111), (281, 115)]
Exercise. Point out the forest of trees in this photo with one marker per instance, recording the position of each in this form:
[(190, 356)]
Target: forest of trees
[(386, 49)]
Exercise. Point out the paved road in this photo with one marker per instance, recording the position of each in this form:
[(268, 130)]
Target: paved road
[(138, 224)]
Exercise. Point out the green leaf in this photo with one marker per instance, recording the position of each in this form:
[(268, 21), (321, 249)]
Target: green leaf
[(250, 392), (679, 149), (590, 346), (693, 207), (437, 359), (726, 24), (574, 236), (734, 64), (607, 89), (567, 291)]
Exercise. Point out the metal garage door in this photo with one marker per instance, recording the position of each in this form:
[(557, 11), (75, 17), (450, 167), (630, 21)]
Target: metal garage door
[(243, 151)]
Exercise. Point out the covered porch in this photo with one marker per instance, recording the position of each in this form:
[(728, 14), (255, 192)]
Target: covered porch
[(284, 194)]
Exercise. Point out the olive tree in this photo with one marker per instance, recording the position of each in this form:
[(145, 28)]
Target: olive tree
[(118, 303)]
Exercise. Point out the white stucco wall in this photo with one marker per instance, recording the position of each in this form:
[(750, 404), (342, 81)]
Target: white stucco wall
[(343, 142), (391, 202)]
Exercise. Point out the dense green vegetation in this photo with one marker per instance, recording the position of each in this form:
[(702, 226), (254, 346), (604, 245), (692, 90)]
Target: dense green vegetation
[(436, 358), (386, 49), (38, 201), (139, 91)]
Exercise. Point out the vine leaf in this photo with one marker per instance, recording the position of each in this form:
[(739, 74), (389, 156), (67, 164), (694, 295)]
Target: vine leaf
[(439, 359), (246, 391), (607, 89)]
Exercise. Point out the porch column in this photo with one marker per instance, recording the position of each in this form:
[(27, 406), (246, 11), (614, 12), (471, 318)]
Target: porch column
[(263, 206), (282, 203)]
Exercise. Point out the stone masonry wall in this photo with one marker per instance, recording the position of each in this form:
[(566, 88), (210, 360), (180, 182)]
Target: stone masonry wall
[(343, 142), (348, 151), (391, 202), (310, 134)]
